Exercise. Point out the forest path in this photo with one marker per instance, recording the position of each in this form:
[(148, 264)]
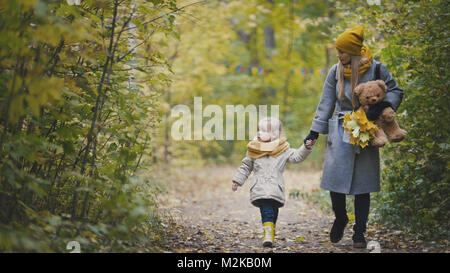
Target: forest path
[(208, 217)]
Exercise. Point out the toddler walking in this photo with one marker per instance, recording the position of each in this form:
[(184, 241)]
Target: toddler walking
[(267, 155)]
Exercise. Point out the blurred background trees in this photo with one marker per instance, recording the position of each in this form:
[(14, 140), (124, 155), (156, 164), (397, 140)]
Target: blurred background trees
[(257, 53)]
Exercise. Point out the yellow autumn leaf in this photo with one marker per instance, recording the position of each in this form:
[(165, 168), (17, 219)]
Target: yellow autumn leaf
[(300, 239), (363, 144), (360, 129), (347, 117)]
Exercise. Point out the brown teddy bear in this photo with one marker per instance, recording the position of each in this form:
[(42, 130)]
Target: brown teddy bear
[(370, 93)]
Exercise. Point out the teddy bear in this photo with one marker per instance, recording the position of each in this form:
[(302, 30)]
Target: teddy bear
[(367, 95)]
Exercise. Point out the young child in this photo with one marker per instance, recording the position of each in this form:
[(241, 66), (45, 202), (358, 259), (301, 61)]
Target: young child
[(267, 155)]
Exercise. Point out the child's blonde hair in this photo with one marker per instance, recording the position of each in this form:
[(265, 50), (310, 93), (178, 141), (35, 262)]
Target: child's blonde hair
[(269, 129)]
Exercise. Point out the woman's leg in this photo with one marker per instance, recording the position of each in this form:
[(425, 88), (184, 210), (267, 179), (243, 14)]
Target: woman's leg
[(340, 212), (339, 205), (362, 206)]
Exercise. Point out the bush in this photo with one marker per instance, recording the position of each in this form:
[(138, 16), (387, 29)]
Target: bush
[(76, 113), (415, 188)]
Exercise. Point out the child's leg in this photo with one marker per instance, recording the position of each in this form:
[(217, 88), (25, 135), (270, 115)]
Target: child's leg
[(268, 214), (275, 204), (269, 210), (275, 211)]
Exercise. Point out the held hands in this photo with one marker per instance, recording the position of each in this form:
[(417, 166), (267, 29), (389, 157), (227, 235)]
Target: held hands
[(312, 136), (235, 186), (310, 143)]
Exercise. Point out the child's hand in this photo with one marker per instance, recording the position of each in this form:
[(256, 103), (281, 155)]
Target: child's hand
[(235, 186), (310, 143)]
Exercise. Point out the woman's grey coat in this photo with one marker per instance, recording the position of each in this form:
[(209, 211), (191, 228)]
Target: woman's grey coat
[(268, 182), (348, 168)]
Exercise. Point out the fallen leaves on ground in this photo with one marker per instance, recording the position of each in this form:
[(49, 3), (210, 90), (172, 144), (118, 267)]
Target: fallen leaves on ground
[(206, 216)]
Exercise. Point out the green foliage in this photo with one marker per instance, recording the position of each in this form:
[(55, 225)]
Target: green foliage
[(320, 198), (415, 189), (77, 105)]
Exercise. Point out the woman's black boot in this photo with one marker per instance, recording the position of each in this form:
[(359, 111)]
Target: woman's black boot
[(362, 204), (359, 241), (337, 230)]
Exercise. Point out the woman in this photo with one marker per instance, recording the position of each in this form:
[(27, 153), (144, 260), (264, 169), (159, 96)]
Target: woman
[(349, 169)]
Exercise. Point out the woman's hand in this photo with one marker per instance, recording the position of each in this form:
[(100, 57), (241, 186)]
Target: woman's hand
[(235, 186), (375, 110), (312, 136)]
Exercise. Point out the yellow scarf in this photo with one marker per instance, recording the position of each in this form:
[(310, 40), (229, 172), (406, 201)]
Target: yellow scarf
[(257, 149), (366, 61)]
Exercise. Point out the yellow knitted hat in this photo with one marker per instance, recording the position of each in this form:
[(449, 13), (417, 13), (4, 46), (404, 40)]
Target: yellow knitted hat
[(351, 41)]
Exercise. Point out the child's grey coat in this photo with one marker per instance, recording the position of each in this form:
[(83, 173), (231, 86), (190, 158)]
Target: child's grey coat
[(348, 168), (268, 182)]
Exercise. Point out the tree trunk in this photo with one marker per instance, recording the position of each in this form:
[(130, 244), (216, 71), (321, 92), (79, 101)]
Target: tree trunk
[(106, 70)]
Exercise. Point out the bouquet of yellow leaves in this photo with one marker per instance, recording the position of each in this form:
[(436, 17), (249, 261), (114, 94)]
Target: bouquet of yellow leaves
[(361, 129)]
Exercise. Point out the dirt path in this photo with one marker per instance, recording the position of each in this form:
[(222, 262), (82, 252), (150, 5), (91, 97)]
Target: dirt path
[(208, 217)]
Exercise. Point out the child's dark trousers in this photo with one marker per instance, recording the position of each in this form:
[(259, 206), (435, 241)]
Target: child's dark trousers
[(268, 209)]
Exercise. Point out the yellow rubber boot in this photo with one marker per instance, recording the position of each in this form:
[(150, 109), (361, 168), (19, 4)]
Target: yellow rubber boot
[(269, 234)]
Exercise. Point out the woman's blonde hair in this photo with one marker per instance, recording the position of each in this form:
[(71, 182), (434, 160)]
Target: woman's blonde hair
[(354, 65), (269, 128)]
